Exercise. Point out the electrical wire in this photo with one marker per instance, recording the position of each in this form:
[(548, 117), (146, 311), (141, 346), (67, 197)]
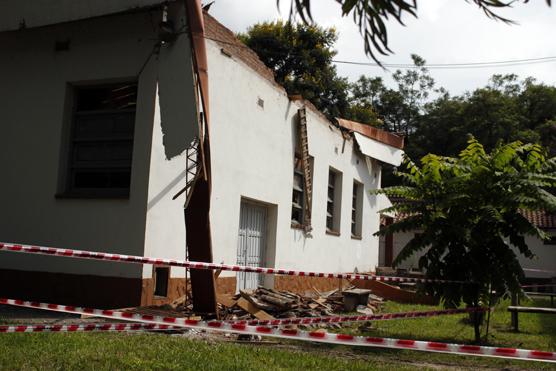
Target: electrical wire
[(470, 65), (461, 65)]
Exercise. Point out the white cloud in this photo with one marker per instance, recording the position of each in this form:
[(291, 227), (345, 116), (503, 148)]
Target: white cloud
[(446, 32)]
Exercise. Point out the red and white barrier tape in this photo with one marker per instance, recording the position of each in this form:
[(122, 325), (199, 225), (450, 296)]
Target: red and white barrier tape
[(88, 327), (201, 265), (355, 318), (315, 336)]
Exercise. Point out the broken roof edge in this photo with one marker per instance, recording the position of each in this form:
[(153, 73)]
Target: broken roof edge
[(383, 152), (228, 41), (371, 132)]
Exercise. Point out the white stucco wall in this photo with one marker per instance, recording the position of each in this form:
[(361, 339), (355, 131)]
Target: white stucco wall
[(252, 157), (175, 126), (545, 259), (33, 113), (400, 240), (543, 265)]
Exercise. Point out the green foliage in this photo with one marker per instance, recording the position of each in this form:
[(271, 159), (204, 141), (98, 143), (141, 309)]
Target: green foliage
[(468, 210), (371, 17), (399, 109), (505, 110), (301, 57)]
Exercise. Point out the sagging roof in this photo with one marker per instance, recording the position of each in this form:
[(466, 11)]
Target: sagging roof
[(372, 132), (375, 149)]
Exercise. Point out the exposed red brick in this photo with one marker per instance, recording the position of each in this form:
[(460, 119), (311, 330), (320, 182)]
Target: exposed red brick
[(231, 45)]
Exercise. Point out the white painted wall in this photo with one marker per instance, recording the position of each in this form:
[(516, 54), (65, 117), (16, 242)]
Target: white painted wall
[(175, 126), (545, 259), (400, 240), (33, 112), (252, 157)]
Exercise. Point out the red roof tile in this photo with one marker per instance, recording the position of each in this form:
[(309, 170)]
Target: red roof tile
[(372, 132), (541, 218)]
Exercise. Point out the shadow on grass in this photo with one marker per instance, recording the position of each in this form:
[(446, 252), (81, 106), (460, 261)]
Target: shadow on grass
[(548, 321)]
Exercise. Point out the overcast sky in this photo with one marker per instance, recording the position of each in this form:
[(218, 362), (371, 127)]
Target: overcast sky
[(447, 31)]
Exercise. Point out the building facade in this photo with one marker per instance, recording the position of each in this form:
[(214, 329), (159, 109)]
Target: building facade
[(101, 113)]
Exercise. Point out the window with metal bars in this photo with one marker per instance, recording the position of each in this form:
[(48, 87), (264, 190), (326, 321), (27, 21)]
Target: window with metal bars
[(101, 140), (333, 202), (356, 209), (298, 192)]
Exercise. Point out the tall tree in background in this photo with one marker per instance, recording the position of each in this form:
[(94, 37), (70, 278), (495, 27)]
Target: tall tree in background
[(468, 211), (505, 110), (301, 57), (414, 87), (399, 108)]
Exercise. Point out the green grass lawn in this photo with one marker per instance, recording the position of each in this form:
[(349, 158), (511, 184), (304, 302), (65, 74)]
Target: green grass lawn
[(160, 351)]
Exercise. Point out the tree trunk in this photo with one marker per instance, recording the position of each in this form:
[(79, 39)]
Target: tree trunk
[(477, 326)]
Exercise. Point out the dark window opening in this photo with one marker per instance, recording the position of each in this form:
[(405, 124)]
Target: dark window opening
[(357, 209), (333, 201), (298, 192), (330, 201), (161, 278), (101, 140)]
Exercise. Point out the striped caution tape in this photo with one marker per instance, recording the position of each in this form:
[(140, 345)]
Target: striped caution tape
[(201, 265), (315, 336), (88, 327)]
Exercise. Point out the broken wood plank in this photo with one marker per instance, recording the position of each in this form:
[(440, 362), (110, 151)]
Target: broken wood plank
[(252, 309), (225, 300), (283, 304), (250, 296), (174, 304)]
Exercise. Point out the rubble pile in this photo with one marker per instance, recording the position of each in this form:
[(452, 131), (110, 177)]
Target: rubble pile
[(264, 303)]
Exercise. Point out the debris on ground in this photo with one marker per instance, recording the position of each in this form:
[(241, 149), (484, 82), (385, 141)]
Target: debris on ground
[(263, 303)]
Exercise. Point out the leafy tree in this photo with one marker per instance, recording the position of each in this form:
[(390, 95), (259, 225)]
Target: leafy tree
[(301, 57), (371, 17), (547, 132), (414, 87), (504, 110), (468, 211), (399, 108)]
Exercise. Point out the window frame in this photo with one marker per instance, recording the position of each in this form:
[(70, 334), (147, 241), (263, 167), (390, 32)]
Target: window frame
[(157, 279), (66, 187), (300, 191), (334, 203), (357, 209), (302, 208)]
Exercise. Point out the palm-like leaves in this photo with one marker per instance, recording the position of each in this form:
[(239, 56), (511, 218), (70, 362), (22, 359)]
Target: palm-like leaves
[(371, 16), (468, 209)]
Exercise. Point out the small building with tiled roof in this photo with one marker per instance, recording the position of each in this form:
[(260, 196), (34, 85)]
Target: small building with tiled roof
[(543, 266)]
